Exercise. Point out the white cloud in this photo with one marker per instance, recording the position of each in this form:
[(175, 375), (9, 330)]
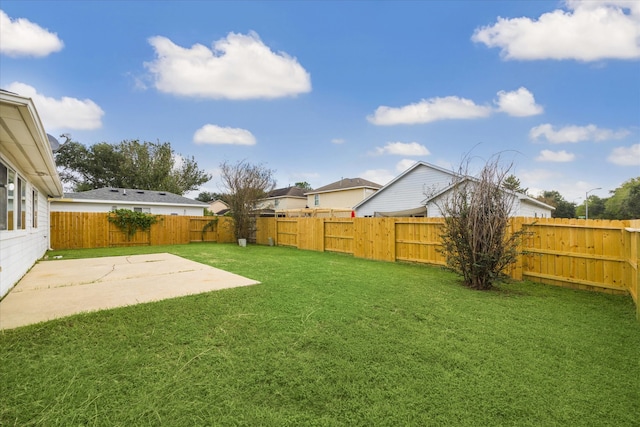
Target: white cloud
[(429, 110), (404, 164), (519, 103), (212, 134), (379, 176), (575, 133), (626, 156), (238, 67), (403, 149), (21, 37), (555, 156), (587, 31), (338, 141), (64, 113)]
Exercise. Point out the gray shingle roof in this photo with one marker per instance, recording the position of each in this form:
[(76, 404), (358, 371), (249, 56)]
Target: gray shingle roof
[(287, 191), (133, 195), (346, 183)]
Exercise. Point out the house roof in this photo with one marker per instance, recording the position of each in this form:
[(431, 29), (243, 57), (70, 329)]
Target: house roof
[(399, 177), (24, 142), (520, 196), (131, 195), (286, 192), (346, 184)]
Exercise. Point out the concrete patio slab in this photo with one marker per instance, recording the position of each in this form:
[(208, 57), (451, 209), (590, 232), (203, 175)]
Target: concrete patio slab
[(58, 288)]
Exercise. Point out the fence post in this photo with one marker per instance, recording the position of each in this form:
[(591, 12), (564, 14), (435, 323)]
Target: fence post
[(516, 269)]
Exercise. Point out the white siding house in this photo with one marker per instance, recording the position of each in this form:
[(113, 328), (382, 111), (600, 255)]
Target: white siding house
[(521, 204), (406, 192), (147, 201), (421, 189), (28, 177)]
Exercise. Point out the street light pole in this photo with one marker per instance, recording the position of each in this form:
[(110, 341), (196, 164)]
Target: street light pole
[(586, 202)]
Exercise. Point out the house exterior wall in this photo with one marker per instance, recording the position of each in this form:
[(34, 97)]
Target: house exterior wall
[(521, 207), (340, 199), (528, 209), (280, 203), (107, 206), (217, 206), (21, 248), (408, 192)]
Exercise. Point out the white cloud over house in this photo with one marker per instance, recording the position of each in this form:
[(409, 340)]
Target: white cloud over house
[(625, 156), (213, 134), (237, 67), (518, 103), (403, 149), (574, 134), (561, 156), (588, 30), (62, 114), (429, 110), (384, 176), (21, 37)]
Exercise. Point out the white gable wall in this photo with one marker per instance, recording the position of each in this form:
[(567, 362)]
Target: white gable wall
[(408, 192)]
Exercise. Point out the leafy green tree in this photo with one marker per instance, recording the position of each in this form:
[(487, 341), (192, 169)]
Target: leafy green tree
[(596, 208), (207, 196), (564, 209), (513, 183), (624, 202), (129, 164), (303, 185)]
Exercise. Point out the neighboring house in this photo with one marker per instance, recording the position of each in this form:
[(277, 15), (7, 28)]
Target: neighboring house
[(147, 201), (28, 177), (283, 198), (419, 190), (218, 207), (343, 194), (522, 205)]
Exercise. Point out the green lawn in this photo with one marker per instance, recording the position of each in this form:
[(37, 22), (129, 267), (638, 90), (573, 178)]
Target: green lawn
[(331, 340)]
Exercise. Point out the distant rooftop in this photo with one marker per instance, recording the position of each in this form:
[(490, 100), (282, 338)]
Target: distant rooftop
[(347, 183), (133, 195), (287, 191)]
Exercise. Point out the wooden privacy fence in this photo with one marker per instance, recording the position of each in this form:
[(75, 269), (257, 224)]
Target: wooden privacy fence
[(594, 254), (80, 230)]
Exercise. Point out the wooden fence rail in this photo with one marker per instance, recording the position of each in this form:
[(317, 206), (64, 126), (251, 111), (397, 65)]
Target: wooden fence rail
[(586, 254)]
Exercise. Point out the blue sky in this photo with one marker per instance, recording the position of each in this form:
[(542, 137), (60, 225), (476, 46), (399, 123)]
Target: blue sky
[(324, 90)]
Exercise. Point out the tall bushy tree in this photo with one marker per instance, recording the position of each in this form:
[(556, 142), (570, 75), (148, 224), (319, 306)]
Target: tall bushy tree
[(476, 239), (624, 202), (564, 209), (129, 164), (245, 184)]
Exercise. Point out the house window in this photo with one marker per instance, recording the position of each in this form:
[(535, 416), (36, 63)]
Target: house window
[(3, 196), (34, 209), (145, 210), (22, 204), (276, 202), (316, 200), (11, 191)]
